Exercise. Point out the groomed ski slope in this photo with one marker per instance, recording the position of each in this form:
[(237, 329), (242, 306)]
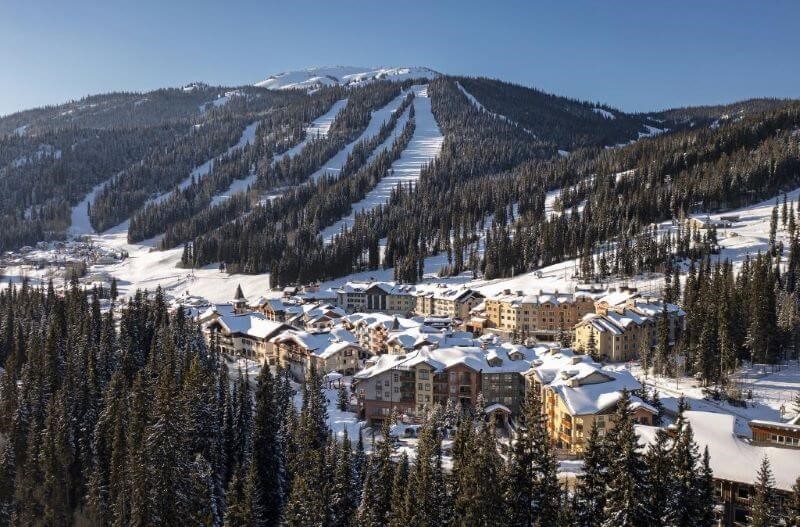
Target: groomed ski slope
[(477, 104), (79, 220), (318, 129), (424, 147), (377, 118), (248, 137)]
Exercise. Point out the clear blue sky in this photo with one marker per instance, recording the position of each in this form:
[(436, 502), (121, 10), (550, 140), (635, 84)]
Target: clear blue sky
[(633, 55)]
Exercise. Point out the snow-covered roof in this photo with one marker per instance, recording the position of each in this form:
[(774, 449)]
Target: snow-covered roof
[(654, 308), (616, 298), (252, 324), (587, 389), (446, 357), (734, 458), (392, 288), (323, 345)]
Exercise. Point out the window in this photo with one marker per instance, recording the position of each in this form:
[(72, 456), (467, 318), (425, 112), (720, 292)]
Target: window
[(742, 492), (424, 375)]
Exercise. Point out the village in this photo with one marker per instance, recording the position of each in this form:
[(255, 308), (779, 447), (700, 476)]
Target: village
[(398, 350)]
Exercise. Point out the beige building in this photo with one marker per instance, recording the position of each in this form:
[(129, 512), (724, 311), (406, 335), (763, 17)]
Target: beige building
[(577, 393), (333, 351), (540, 315), (621, 329), (447, 302), (247, 335)]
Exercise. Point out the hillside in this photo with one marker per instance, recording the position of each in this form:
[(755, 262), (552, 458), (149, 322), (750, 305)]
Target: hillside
[(321, 173)]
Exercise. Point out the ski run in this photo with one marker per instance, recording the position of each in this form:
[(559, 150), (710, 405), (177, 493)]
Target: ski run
[(424, 147)]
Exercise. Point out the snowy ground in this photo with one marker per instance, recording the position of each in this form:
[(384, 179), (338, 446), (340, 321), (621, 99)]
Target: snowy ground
[(424, 146), (773, 391)]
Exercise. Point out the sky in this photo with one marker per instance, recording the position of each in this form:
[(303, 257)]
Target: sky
[(636, 56)]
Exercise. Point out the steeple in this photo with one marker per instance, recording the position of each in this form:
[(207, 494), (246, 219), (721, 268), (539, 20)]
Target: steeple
[(239, 301)]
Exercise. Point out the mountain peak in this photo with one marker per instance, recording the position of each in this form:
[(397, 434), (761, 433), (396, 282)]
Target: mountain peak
[(316, 77)]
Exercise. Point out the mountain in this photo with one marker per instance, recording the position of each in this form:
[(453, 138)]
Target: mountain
[(314, 78), (320, 173)]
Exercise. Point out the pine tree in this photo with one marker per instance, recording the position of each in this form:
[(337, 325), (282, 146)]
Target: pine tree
[(794, 505), (684, 459), (268, 463), (762, 510), (519, 471), (591, 347), (479, 493), (627, 492), (705, 491), (344, 495), (398, 516), (590, 491), (377, 495), (661, 477), (239, 511), (343, 402)]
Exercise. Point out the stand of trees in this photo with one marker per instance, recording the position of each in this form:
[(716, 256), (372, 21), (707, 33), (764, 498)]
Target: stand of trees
[(139, 422)]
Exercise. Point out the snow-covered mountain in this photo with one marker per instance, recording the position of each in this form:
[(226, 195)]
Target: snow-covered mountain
[(313, 78)]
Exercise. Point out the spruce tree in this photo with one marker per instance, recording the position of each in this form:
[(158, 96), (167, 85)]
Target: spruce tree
[(398, 515), (268, 464), (794, 505), (705, 490), (762, 509), (376, 499), (590, 492), (344, 495), (627, 492), (518, 476)]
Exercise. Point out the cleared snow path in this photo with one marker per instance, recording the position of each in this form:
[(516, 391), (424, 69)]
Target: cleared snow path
[(424, 147), (377, 118), (318, 128), (248, 137), (477, 104)]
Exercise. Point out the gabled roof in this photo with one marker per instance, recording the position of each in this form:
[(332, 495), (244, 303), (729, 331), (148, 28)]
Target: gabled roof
[(596, 397), (251, 324), (323, 345)]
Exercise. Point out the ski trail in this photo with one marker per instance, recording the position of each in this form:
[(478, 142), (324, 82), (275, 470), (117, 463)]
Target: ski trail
[(424, 147), (248, 137), (79, 224), (318, 129), (377, 118), (477, 104)]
